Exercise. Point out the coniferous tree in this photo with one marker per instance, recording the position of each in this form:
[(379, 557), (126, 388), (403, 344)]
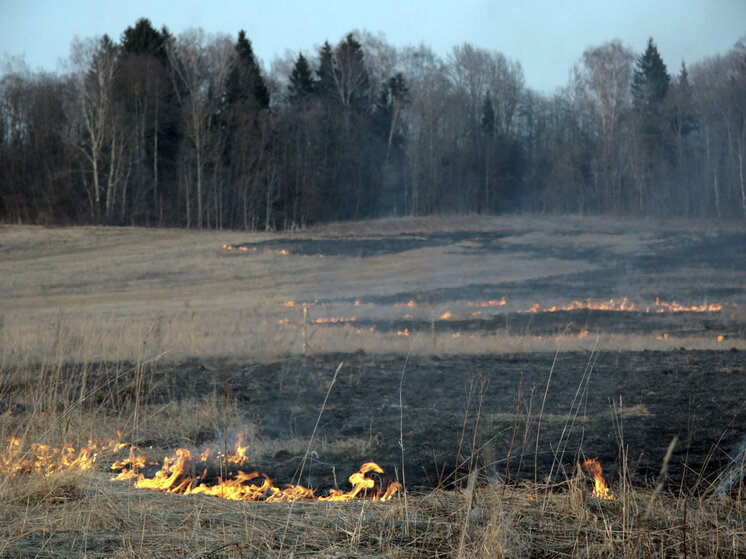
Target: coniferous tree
[(683, 118), (394, 97), (247, 134), (650, 80), (684, 103), (388, 144), (650, 84), (245, 84), (148, 96), (488, 116), (143, 38), (326, 78), (302, 85)]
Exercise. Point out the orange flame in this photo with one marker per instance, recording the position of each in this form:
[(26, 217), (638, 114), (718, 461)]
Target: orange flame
[(673, 306), (44, 459), (173, 478), (491, 303), (174, 473), (600, 490), (445, 316), (404, 332), (624, 305)]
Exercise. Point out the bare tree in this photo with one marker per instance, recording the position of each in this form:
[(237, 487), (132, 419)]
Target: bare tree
[(469, 69), (95, 66), (603, 85), (431, 92), (200, 66)]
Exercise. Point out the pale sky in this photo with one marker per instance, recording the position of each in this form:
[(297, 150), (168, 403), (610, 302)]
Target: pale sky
[(545, 36)]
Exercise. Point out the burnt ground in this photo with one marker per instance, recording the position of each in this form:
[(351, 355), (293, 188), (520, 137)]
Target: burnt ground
[(596, 405), (618, 400), (485, 409)]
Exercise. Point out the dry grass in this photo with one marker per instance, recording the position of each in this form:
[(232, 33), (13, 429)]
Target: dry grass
[(84, 514), (82, 294), (87, 312)]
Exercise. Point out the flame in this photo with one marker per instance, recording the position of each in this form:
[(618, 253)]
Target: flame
[(289, 304), (720, 338), (282, 251), (445, 316), (174, 473), (46, 460), (600, 490), (241, 486), (360, 483), (624, 305), (404, 332), (673, 306), (491, 303), (456, 335), (239, 455)]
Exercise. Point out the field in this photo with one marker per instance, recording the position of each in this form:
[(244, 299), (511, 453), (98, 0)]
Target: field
[(478, 361)]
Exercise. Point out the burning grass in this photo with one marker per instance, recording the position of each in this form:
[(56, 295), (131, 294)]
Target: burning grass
[(78, 377), (76, 514), (62, 499)]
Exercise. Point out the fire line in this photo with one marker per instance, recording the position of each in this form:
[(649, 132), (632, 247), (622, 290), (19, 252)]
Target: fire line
[(174, 473)]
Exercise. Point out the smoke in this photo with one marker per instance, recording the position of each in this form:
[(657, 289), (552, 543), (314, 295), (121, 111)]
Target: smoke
[(735, 471)]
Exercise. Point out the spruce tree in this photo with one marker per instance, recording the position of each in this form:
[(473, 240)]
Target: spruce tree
[(650, 84), (302, 85), (245, 85), (685, 119), (143, 38), (394, 96), (326, 78), (487, 116), (651, 79)]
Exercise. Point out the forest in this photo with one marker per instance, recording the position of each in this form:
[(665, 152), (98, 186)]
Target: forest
[(191, 131)]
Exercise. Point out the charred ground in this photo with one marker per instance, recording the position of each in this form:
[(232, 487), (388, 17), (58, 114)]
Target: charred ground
[(466, 411), (472, 386)]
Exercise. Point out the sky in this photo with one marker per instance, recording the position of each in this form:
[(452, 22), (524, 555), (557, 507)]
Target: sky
[(546, 36)]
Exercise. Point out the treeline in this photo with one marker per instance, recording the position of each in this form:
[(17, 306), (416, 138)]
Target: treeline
[(190, 131)]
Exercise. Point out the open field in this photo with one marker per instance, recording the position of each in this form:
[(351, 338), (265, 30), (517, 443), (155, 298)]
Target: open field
[(189, 296), (498, 350)]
